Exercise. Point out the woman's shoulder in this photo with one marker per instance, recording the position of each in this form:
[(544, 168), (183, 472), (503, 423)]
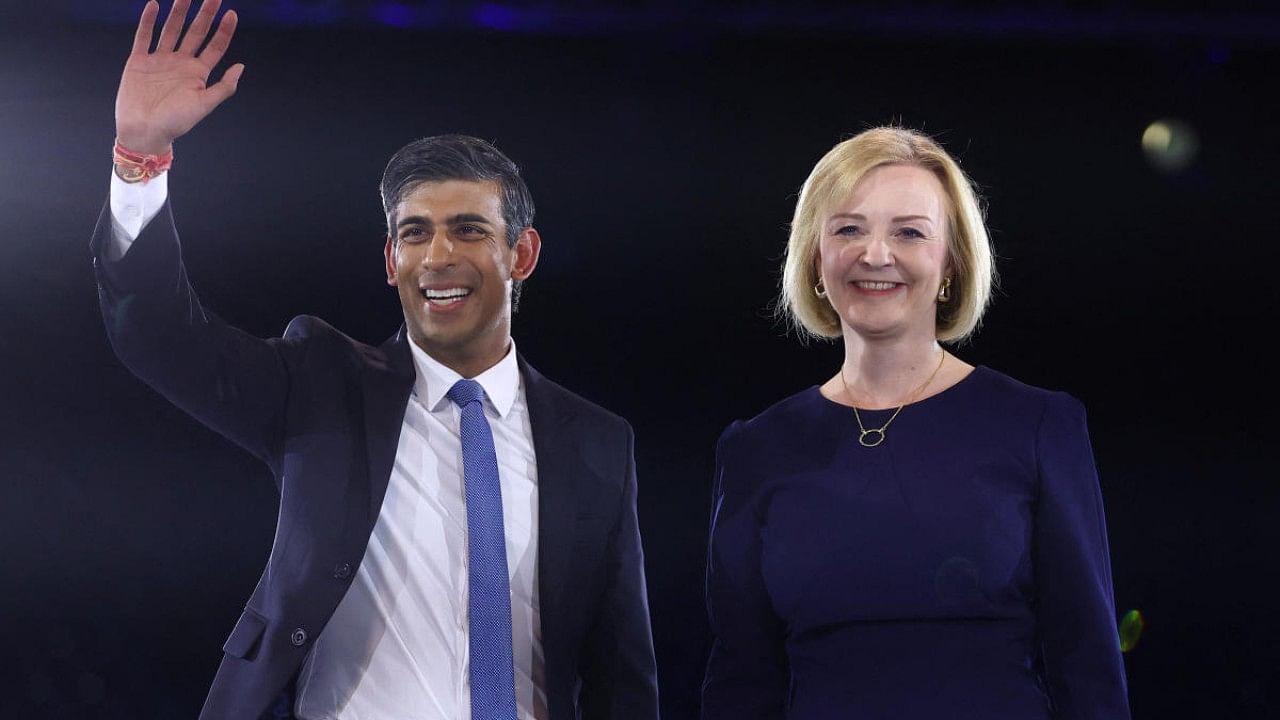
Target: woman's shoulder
[(1000, 390), (750, 452), (786, 416)]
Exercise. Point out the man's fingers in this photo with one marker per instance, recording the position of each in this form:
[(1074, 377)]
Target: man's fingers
[(226, 87), (221, 40), (173, 25), (199, 29), (146, 24)]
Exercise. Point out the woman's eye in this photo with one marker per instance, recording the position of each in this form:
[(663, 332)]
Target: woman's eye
[(848, 230), (911, 233)]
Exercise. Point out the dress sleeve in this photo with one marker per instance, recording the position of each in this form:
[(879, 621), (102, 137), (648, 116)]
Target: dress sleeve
[(1075, 610), (747, 674)]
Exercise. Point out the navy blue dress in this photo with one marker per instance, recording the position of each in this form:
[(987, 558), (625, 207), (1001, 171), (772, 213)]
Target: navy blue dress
[(958, 570)]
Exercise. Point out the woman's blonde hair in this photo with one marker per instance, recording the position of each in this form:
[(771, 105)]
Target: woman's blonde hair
[(973, 272)]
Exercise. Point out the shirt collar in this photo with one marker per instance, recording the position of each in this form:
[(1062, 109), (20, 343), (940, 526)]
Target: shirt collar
[(501, 382)]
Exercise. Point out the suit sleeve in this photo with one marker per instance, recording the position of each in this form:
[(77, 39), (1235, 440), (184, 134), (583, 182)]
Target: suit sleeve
[(619, 673), (747, 674), (1075, 609), (225, 378)]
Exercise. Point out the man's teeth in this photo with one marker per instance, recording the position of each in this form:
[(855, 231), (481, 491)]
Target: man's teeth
[(865, 285), (442, 297)]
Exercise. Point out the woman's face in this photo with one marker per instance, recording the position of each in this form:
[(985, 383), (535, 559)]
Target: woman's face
[(883, 252)]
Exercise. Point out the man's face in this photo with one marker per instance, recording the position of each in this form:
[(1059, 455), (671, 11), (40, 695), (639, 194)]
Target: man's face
[(452, 267)]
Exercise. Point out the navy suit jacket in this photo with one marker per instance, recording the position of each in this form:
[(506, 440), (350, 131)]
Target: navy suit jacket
[(324, 412)]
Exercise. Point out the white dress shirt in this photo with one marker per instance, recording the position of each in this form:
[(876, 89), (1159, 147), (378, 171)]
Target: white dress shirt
[(397, 644), (133, 205)]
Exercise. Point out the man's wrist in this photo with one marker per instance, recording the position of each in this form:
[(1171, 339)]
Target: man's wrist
[(139, 140), (133, 166)]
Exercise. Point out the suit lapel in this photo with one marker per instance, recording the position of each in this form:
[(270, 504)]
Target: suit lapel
[(388, 379), (559, 468)]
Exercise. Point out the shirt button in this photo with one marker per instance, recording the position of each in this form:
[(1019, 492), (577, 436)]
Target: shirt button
[(132, 211), (299, 637), (341, 571)]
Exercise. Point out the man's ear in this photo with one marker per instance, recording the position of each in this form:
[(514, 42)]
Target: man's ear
[(526, 251), (390, 253)]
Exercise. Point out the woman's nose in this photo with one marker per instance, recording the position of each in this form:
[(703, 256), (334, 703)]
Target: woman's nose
[(877, 252)]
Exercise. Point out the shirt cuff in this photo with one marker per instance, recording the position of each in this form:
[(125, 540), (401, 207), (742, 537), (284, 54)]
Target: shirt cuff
[(133, 205)]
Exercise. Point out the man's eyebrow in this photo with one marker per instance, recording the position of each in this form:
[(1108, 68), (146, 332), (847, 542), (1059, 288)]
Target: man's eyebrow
[(468, 218), (451, 220)]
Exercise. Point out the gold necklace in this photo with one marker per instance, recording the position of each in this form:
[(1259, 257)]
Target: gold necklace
[(878, 433)]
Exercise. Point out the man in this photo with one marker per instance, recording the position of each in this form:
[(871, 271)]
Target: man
[(457, 534)]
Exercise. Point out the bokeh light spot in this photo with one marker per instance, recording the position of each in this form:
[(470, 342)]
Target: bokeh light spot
[(1170, 145), (1131, 630), (1156, 137)]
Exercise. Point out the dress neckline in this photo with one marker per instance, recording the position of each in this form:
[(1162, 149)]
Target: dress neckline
[(817, 390)]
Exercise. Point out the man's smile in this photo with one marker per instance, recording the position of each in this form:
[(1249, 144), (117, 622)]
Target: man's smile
[(445, 297)]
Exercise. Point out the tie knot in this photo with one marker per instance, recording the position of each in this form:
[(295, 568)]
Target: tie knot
[(465, 392)]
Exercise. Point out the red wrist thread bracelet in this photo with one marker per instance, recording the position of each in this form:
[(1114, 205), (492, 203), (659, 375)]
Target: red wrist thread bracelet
[(139, 167)]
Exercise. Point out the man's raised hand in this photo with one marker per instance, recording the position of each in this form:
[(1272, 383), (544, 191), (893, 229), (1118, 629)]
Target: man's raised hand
[(165, 93)]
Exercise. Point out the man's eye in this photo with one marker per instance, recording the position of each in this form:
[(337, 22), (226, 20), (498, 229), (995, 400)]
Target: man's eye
[(469, 230), (411, 233)]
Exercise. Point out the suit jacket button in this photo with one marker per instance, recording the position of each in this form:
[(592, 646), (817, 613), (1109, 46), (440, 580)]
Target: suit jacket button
[(299, 637), (342, 571)]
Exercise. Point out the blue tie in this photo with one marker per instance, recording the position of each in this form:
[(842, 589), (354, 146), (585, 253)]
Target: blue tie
[(493, 685)]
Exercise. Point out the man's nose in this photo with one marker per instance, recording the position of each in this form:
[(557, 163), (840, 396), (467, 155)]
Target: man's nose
[(439, 250)]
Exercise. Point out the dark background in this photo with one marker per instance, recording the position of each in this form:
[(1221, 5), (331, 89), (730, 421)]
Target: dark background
[(664, 143)]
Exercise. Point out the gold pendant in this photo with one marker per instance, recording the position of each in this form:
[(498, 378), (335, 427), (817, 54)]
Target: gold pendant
[(862, 437)]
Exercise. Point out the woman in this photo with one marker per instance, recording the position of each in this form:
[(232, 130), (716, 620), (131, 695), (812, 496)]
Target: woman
[(915, 537)]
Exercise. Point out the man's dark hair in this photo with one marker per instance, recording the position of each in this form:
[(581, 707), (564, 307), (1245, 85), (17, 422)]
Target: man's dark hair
[(458, 157)]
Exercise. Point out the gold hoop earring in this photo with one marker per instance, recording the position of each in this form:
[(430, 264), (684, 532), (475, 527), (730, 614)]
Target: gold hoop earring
[(819, 289), (944, 292)]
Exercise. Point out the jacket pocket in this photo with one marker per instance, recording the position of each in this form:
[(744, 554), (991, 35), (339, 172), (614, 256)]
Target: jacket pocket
[(247, 636)]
